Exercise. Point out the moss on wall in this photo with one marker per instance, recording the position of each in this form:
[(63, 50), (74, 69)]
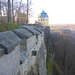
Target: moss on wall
[(53, 68), (33, 70), (49, 67), (57, 67)]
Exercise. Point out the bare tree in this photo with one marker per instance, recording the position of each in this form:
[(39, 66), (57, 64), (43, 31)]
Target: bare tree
[(0, 11), (9, 11), (27, 11), (29, 2), (12, 13), (19, 10), (3, 9)]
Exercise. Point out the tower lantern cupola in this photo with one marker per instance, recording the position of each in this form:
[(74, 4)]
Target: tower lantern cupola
[(43, 18)]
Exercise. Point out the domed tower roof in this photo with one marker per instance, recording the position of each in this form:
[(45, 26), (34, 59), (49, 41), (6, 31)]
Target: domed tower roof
[(43, 14)]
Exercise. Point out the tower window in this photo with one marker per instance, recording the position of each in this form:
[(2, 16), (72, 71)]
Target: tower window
[(42, 19)]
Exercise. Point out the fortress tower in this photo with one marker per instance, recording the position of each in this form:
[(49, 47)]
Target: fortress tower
[(43, 19)]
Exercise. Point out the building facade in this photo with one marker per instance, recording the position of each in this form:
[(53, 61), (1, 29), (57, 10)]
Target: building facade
[(43, 19)]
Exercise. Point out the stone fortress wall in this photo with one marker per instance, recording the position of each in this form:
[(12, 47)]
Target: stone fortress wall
[(19, 49)]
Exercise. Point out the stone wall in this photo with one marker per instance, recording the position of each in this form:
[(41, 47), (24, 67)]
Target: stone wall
[(41, 60), (21, 49)]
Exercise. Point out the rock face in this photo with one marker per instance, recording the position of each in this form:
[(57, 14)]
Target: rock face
[(49, 57), (47, 37), (61, 53)]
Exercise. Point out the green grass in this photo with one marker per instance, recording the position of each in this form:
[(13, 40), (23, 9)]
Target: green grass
[(6, 26)]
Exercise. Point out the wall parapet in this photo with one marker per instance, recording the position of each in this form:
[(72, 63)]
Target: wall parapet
[(1, 52), (8, 41), (17, 48)]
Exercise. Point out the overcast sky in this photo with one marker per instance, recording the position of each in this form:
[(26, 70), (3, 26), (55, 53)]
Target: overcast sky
[(59, 11)]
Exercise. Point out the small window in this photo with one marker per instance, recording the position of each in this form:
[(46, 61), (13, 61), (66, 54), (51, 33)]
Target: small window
[(41, 19), (34, 53)]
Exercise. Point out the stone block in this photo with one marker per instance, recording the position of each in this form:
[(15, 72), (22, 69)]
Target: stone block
[(24, 67), (1, 52), (38, 30), (23, 45), (31, 42), (32, 30), (23, 56), (23, 33), (8, 41)]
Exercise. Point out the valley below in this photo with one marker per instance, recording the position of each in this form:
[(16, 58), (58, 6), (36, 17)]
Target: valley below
[(63, 49)]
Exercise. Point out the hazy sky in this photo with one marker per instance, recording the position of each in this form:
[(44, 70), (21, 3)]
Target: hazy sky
[(59, 11)]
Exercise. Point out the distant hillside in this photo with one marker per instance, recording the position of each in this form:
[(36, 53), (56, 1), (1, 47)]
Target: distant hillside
[(6, 26), (59, 27)]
